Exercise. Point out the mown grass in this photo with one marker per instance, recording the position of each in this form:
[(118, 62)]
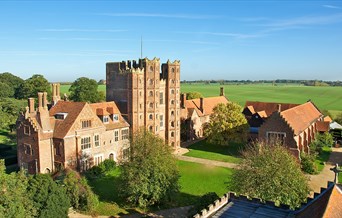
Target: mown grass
[(203, 149), (322, 157), (328, 98), (195, 180)]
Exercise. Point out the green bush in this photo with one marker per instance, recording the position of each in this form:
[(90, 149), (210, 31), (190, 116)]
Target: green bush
[(101, 169), (109, 165), (308, 163), (203, 202), (321, 140)]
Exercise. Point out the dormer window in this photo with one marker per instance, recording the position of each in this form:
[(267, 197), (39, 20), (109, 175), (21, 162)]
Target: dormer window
[(61, 116), (105, 119), (115, 117)]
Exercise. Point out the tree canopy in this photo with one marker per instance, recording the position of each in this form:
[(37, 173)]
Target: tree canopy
[(33, 85), (9, 84), (270, 172), (227, 124), (85, 90), (193, 95), (151, 174), (9, 110)]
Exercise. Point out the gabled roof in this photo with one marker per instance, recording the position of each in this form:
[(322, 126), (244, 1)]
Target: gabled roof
[(301, 117), (209, 103), (323, 126), (109, 108), (73, 109), (262, 114), (268, 107), (327, 119)]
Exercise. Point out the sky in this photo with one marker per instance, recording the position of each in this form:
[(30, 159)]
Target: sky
[(231, 40)]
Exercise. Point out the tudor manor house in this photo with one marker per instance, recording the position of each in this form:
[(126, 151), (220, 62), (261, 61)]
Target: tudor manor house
[(59, 133)]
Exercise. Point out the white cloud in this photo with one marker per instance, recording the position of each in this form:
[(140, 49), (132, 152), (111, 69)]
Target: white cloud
[(331, 6), (82, 30), (154, 15)]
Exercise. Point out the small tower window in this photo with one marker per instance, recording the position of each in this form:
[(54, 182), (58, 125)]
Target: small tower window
[(151, 117), (151, 93)]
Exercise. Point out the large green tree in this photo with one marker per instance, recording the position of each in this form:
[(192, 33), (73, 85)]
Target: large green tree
[(227, 124), (49, 198), (13, 194), (85, 90), (9, 111), (9, 84), (151, 174), (270, 172), (193, 95), (33, 85)]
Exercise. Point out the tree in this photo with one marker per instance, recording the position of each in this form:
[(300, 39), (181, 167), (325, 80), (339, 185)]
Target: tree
[(338, 118), (33, 85), (50, 199), (13, 82), (9, 110), (193, 95), (151, 175), (79, 192), (6, 91), (321, 140), (85, 90), (271, 173), (227, 124), (13, 195)]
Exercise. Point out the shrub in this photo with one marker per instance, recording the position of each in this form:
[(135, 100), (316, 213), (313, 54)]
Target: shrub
[(308, 163), (203, 202), (109, 165)]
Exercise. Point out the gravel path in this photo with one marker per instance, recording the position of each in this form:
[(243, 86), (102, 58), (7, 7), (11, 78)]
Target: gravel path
[(321, 180), (206, 161)]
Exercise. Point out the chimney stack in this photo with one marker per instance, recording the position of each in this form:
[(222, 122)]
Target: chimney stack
[(55, 93), (183, 99), (45, 102), (279, 108), (40, 101), (31, 104), (221, 91), (201, 105)]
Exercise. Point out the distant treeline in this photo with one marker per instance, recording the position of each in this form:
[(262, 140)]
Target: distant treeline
[(274, 82)]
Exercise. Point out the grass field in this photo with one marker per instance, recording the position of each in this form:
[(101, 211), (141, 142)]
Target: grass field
[(196, 180), (328, 98), (323, 157), (209, 151)]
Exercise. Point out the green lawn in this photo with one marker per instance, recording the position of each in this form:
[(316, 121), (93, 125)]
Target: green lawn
[(196, 180), (340, 177), (323, 157), (209, 151), (329, 98)]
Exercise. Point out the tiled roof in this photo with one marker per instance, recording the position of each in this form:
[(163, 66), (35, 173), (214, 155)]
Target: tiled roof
[(109, 108), (327, 119), (301, 117), (323, 126), (209, 103), (268, 107), (334, 207), (262, 114), (73, 109), (190, 106)]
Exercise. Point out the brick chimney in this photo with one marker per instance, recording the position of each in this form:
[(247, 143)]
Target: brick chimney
[(221, 91), (45, 101), (40, 101), (31, 104), (279, 108), (183, 99), (55, 93), (201, 105)]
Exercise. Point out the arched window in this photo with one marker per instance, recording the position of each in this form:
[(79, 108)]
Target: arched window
[(172, 134), (172, 70), (151, 69), (172, 102), (151, 82), (172, 113), (172, 124), (151, 93), (151, 105), (111, 156), (151, 117), (150, 128)]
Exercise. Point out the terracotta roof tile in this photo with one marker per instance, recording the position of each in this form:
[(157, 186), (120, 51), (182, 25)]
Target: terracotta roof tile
[(323, 126), (73, 109), (327, 119), (109, 108), (262, 114), (301, 117), (268, 107), (334, 207), (210, 103)]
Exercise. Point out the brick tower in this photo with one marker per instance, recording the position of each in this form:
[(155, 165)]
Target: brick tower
[(147, 97)]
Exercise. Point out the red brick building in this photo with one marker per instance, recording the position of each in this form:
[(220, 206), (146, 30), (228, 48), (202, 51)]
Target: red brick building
[(69, 134)]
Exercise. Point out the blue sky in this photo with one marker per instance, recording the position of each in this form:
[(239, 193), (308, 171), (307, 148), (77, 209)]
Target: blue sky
[(64, 40)]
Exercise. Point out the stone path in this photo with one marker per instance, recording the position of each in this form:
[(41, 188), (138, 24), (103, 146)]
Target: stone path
[(320, 180), (206, 161)]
